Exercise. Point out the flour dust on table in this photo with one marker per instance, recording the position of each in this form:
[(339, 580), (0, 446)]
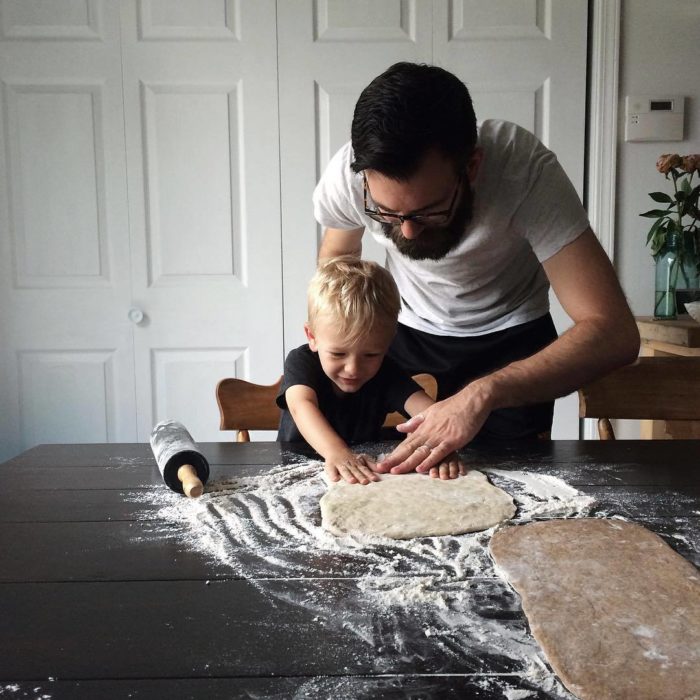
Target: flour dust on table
[(409, 599)]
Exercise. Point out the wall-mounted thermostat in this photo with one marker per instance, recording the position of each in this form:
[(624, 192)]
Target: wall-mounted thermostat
[(654, 118)]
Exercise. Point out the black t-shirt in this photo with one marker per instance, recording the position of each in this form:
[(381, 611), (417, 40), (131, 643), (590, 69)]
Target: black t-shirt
[(356, 417)]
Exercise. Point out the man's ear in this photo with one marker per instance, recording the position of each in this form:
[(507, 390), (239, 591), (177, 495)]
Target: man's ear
[(310, 337), (474, 163)]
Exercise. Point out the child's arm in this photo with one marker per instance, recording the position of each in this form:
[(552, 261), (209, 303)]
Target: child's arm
[(451, 466), (341, 461)]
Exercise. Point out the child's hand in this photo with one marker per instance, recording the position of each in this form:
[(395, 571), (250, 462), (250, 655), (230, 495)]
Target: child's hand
[(450, 468), (353, 468)]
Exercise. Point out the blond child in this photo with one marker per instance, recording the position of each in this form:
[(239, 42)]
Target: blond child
[(338, 388)]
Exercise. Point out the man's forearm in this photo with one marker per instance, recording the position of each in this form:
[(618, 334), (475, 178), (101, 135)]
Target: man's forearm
[(588, 350)]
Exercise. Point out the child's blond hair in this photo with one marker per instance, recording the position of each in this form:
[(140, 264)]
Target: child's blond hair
[(356, 294)]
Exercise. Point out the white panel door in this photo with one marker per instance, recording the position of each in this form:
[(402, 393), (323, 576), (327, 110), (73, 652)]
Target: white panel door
[(200, 104), (328, 51), (66, 356), (523, 60)]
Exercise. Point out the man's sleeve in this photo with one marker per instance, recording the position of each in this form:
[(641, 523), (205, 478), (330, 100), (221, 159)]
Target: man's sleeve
[(550, 215), (336, 201)]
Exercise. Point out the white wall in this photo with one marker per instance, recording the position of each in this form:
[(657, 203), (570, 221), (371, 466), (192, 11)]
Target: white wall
[(659, 54)]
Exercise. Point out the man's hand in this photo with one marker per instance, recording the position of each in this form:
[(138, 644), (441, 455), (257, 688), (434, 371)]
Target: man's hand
[(437, 432), (353, 468)]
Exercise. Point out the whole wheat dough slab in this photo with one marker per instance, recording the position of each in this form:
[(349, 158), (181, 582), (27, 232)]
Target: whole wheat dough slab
[(614, 608), (415, 505)]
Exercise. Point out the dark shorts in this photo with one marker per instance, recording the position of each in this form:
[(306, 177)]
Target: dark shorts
[(454, 362)]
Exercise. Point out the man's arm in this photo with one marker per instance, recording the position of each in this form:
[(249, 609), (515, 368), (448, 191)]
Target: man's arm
[(338, 241), (604, 336)]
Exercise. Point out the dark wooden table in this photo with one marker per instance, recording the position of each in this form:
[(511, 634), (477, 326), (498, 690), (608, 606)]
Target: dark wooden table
[(95, 602)]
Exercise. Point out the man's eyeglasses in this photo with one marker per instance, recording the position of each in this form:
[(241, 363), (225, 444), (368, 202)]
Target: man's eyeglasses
[(434, 218)]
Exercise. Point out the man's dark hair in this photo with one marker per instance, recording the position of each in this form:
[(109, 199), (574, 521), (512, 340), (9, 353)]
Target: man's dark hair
[(408, 110)]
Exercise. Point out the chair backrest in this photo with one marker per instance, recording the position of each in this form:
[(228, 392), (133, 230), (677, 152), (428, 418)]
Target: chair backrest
[(245, 406), (652, 388)]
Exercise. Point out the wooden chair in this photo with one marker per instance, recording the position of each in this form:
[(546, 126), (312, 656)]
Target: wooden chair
[(245, 406), (652, 388)]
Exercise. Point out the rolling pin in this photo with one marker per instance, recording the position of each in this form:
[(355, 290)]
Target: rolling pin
[(183, 468)]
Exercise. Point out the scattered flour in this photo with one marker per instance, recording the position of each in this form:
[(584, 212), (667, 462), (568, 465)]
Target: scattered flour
[(545, 496), (15, 691), (430, 593), (513, 694)]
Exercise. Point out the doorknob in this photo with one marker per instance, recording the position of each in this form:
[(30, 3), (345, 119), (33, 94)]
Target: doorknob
[(135, 315)]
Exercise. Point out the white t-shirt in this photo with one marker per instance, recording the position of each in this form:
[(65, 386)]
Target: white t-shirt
[(525, 211)]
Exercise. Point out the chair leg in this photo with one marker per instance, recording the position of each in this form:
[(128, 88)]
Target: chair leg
[(605, 429)]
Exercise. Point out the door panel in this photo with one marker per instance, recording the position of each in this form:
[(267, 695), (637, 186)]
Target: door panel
[(66, 355), (67, 396), (328, 52), (524, 61), (200, 101), (182, 381)]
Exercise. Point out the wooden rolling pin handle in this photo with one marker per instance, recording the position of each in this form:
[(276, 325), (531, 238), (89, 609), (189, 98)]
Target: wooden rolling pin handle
[(191, 483)]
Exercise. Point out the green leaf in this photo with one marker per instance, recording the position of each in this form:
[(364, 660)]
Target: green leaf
[(652, 231), (656, 239), (654, 213), (681, 196), (694, 194), (658, 242), (691, 202), (685, 185), (660, 197)]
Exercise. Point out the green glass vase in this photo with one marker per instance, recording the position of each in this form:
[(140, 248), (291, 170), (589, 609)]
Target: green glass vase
[(688, 285), (668, 268)]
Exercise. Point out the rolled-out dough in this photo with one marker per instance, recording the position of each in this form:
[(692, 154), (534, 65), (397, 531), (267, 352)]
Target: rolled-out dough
[(614, 608), (415, 505)]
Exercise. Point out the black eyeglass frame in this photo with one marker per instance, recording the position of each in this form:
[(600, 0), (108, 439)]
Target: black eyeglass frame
[(431, 217)]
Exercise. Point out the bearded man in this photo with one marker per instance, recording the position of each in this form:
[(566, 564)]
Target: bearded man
[(478, 220)]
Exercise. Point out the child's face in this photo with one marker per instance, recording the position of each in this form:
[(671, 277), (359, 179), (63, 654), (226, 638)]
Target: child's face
[(348, 365)]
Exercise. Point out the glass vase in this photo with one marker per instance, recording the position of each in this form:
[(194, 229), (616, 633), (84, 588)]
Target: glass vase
[(668, 268), (688, 284)]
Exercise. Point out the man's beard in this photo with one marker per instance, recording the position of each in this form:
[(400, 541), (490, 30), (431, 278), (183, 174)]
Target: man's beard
[(434, 243)]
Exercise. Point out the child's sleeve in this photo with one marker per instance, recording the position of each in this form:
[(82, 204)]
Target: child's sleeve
[(299, 368)]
